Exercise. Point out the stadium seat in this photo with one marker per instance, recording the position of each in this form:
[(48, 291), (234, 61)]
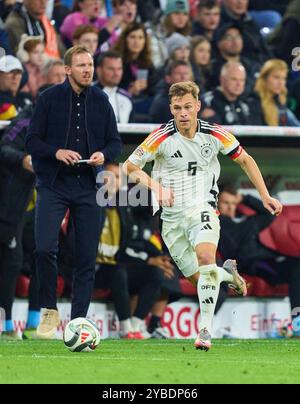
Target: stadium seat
[(283, 236)]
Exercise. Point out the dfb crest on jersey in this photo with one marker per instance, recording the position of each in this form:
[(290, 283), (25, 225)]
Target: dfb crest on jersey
[(206, 152)]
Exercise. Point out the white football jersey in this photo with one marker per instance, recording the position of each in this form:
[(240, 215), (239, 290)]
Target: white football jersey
[(189, 166)]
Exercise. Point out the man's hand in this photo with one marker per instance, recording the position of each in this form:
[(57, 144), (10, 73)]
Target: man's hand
[(68, 157), (97, 159), (165, 196), (114, 22), (164, 263), (27, 163), (272, 205)]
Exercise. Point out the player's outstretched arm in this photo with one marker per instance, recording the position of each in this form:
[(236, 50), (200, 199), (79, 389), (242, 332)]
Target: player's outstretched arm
[(164, 196), (250, 167)]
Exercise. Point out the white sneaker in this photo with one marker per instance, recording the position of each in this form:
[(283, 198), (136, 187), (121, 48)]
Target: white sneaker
[(48, 324), (160, 333)]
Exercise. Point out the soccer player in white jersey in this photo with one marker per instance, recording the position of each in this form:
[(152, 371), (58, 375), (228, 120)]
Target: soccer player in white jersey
[(184, 182)]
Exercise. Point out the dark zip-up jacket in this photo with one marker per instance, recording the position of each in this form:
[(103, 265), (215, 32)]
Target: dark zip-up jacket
[(240, 237), (16, 183), (49, 129)]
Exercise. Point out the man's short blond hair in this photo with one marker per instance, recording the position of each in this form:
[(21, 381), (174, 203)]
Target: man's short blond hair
[(179, 90)]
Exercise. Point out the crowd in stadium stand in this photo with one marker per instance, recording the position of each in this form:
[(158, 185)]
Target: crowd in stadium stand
[(243, 55)]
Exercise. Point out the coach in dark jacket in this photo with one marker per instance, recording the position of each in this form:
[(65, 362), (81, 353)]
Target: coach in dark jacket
[(72, 133)]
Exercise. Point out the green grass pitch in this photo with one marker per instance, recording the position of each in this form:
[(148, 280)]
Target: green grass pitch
[(152, 361)]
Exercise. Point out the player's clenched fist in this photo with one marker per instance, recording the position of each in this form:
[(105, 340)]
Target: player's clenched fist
[(273, 205), (165, 196)]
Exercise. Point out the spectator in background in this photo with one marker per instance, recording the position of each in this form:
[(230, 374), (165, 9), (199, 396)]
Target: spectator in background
[(271, 87), (109, 71), (177, 18), (207, 19), (255, 47), (240, 239), (12, 101), (175, 72), (226, 105), (201, 61), (87, 36), (179, 47), (230, 46), (16, 184), (54, 72), (29, 18), (87, 12), (5, 8), (139, 76), (4, 43), (127, 10), (31, 53), (286, 36)]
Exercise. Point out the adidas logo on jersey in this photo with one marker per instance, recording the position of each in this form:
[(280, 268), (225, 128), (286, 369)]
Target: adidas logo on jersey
[(177, 155)]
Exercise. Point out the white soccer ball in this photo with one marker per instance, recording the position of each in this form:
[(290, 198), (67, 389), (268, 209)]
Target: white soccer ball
[(81, 335)]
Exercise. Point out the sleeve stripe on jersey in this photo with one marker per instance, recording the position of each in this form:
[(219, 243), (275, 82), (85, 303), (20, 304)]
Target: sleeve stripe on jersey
[(152, 138), (236, 153), (218, 131)]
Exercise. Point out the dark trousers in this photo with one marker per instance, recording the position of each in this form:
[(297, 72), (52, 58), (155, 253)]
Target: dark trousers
[(145, 281), (114, 277), (11, 258), (29, 266), (52, 205)]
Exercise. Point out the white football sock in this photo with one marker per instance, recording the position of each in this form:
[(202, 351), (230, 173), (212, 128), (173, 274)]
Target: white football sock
[(125, 327), (208, 293), (138, 324), (225, 276)]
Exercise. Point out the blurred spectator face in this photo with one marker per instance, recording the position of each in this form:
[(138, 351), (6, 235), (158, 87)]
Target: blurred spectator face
[(209, 18), (182, 54), (233, 81), (91, 8), (82, 70), (37, 55), (56, 75), (237, 7), (36, 8), (88, 40), (179, 75), (228, 204), (136, 42), (128, 10), (276, 82), (10, 82), (202, 54), (111, 72), (232, 43), (179, 20)]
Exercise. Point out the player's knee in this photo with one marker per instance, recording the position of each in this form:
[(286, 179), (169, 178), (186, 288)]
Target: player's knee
[(206, 258)]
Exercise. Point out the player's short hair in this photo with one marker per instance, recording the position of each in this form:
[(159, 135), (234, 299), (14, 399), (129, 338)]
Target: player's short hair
[(76, 50), (184, 88)]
